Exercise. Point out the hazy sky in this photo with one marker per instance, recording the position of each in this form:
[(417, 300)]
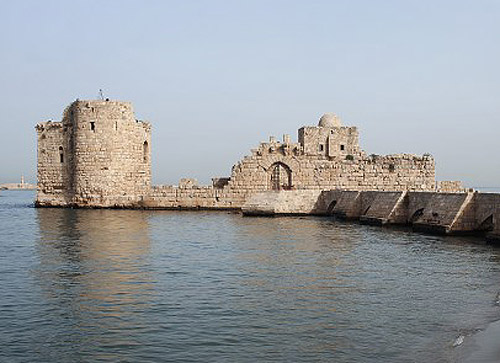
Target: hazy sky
[(217, 77)]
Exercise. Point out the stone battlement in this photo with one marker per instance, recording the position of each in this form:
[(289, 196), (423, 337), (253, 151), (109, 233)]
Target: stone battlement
[(99, 155)]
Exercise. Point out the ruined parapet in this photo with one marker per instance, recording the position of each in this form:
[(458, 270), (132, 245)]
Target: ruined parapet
[(185, 196), (186, 183), (220, 183), (396, 172), (99, 155), (450, 186), (328, 157)]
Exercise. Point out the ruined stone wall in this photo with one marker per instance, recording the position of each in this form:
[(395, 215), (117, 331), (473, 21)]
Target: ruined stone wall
[(106, 162), (450, 186), (326, 157), (167, 196), (53, 171), (360, 172), (108, 152), (193, 197)]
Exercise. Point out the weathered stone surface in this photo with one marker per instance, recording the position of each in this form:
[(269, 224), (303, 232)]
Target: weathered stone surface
[(442, 212), (100, 156), (386, 207), (282, 203), (447, 213)]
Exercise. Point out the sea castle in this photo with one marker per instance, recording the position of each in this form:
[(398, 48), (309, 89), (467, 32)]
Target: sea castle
[(99, 156)]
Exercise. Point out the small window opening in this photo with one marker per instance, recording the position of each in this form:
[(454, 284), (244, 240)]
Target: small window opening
[(145, 150), (342, 147), (391, 168), (321, 147), (92, 126), (61, 154), (116, 125)]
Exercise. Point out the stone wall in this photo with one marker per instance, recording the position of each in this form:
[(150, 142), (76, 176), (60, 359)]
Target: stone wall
[(191, 197), (450, 186), (321, 172), (487, 213), (386, 207), (106, 156), (52, 169), (441, 212), (447, 213), (326, 157), (100, 156)]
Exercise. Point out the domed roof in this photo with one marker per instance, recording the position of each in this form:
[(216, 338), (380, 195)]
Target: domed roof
[(329, 120)]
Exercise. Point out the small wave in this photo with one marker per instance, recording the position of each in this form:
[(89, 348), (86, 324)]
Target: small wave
[(459, 340), (497, 299)]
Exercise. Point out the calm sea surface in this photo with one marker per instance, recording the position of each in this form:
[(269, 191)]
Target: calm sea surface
[(151, 286)]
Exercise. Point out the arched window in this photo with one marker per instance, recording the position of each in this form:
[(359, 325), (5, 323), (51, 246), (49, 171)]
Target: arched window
[(281, 176), (145, 151), (61, 154)]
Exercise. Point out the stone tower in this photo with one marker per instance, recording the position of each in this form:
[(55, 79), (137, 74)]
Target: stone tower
[(329, 138), (99, 155)]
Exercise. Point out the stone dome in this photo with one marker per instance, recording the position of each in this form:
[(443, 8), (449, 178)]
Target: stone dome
[(329, 120)]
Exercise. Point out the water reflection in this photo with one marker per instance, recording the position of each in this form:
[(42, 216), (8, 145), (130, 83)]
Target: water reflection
[(95, 276), (112, 285), (298, 274)]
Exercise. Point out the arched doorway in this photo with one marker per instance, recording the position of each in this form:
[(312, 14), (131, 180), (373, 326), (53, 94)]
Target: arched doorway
[(281, 177)]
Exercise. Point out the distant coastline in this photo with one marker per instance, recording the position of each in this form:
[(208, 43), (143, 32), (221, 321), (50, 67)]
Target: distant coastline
[(13, 186), (488, 189), (18, 186)]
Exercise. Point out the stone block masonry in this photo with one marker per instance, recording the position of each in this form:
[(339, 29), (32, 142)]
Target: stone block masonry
[(99, 156), (443, 213)]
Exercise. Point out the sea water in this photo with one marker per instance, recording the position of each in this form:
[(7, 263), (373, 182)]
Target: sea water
[(150, 286)]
